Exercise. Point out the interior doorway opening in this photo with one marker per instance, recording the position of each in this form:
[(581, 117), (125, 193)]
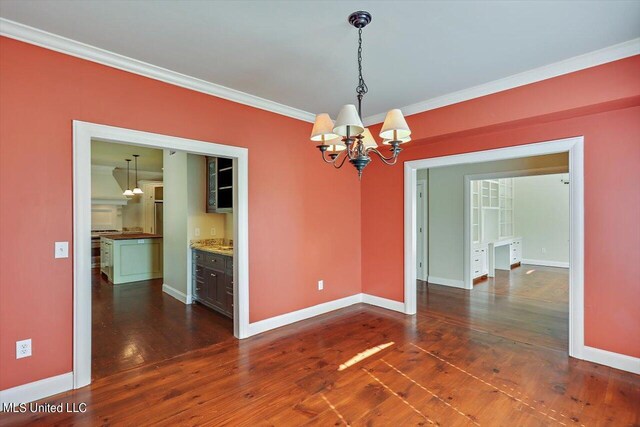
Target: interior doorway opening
[(174, 285), (150, 300), (441, 263)]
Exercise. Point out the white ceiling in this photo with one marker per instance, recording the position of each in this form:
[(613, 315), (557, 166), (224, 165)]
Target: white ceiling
[(302, 53), (112, 154)]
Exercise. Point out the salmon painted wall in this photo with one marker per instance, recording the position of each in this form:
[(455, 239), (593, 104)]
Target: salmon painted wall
[(291, 195), (602, 104)]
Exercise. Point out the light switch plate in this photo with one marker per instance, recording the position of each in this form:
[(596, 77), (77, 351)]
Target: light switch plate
[(320, 285), (62, 250)]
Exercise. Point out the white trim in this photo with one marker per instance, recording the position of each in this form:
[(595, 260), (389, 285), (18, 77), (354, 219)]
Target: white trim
[(576, 172), (383, 302), (326, 307), (83, 133), (468, 280), (305, 313), (454, 283), (608, 358), (180, 296), (67, 46), (425, 226), (570, 65), (545, 263), (38, 389)]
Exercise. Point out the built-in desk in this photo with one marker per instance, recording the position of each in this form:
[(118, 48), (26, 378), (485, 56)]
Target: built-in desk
[(503, 254)]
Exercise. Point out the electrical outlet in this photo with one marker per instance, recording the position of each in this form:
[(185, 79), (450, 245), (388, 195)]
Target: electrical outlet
[(23, 348), (213, 231), (320, 285), (544, 250), (197, 231)]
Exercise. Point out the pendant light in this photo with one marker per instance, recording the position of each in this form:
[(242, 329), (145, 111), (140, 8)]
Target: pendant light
[(128, 192), (137, 190)]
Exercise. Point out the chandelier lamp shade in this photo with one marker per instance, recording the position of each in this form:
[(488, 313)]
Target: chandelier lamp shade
[(347, 138)]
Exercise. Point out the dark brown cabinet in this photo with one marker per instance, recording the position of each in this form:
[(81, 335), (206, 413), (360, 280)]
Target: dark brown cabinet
[(219, 185), (213, 281)]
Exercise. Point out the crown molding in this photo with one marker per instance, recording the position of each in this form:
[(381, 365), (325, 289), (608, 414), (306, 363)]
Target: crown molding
[(570, 65), (67, 46)]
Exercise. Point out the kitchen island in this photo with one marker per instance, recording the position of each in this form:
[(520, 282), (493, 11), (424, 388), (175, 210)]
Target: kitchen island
[(126, 258)]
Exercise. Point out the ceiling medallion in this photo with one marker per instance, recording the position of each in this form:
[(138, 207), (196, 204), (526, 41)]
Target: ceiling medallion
[(348, 135)]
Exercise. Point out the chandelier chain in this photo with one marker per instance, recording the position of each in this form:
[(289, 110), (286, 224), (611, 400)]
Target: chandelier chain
[(362, 88)]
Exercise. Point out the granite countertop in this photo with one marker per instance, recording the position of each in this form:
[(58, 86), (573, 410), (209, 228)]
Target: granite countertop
[(131, 236), (216, 246)]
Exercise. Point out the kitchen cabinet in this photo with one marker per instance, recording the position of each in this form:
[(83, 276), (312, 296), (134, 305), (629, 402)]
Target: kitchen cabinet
[(131, 258), (219, 185), (106, 264), (213, 281)]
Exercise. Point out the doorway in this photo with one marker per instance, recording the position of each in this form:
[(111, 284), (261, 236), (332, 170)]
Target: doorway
[(574, 147), (83, 134)]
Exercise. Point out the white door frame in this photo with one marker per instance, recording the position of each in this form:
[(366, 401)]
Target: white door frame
[(575, 147), (83, 133), (468, 280), (423, 183)]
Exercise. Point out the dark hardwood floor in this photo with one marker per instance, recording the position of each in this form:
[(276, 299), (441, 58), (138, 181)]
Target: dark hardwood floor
[(529, 304), (467, 358), (134, 324)]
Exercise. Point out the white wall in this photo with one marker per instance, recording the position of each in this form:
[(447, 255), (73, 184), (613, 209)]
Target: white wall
[(446, 205), (175, 236), (541, 217)]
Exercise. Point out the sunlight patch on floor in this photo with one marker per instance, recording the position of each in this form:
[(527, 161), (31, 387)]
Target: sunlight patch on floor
[(361, 356)]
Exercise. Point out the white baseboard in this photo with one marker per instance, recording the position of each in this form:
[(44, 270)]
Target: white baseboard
[(383, 302), (38, 389), (305, 313), (446, 282), (545, 263), (180, 296), (608, 358)]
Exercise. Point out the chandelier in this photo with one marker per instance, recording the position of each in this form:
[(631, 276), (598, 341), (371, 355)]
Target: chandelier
[(347, 138)]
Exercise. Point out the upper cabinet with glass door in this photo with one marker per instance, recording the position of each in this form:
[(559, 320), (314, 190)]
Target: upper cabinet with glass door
[(219, 185), (505, 216), (475, 212)]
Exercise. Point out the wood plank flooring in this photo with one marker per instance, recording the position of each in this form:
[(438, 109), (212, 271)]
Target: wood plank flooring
[(456, 363), (134, 324)]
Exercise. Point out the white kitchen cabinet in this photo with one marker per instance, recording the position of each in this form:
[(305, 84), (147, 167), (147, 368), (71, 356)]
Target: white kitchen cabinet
[(106, 258)]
